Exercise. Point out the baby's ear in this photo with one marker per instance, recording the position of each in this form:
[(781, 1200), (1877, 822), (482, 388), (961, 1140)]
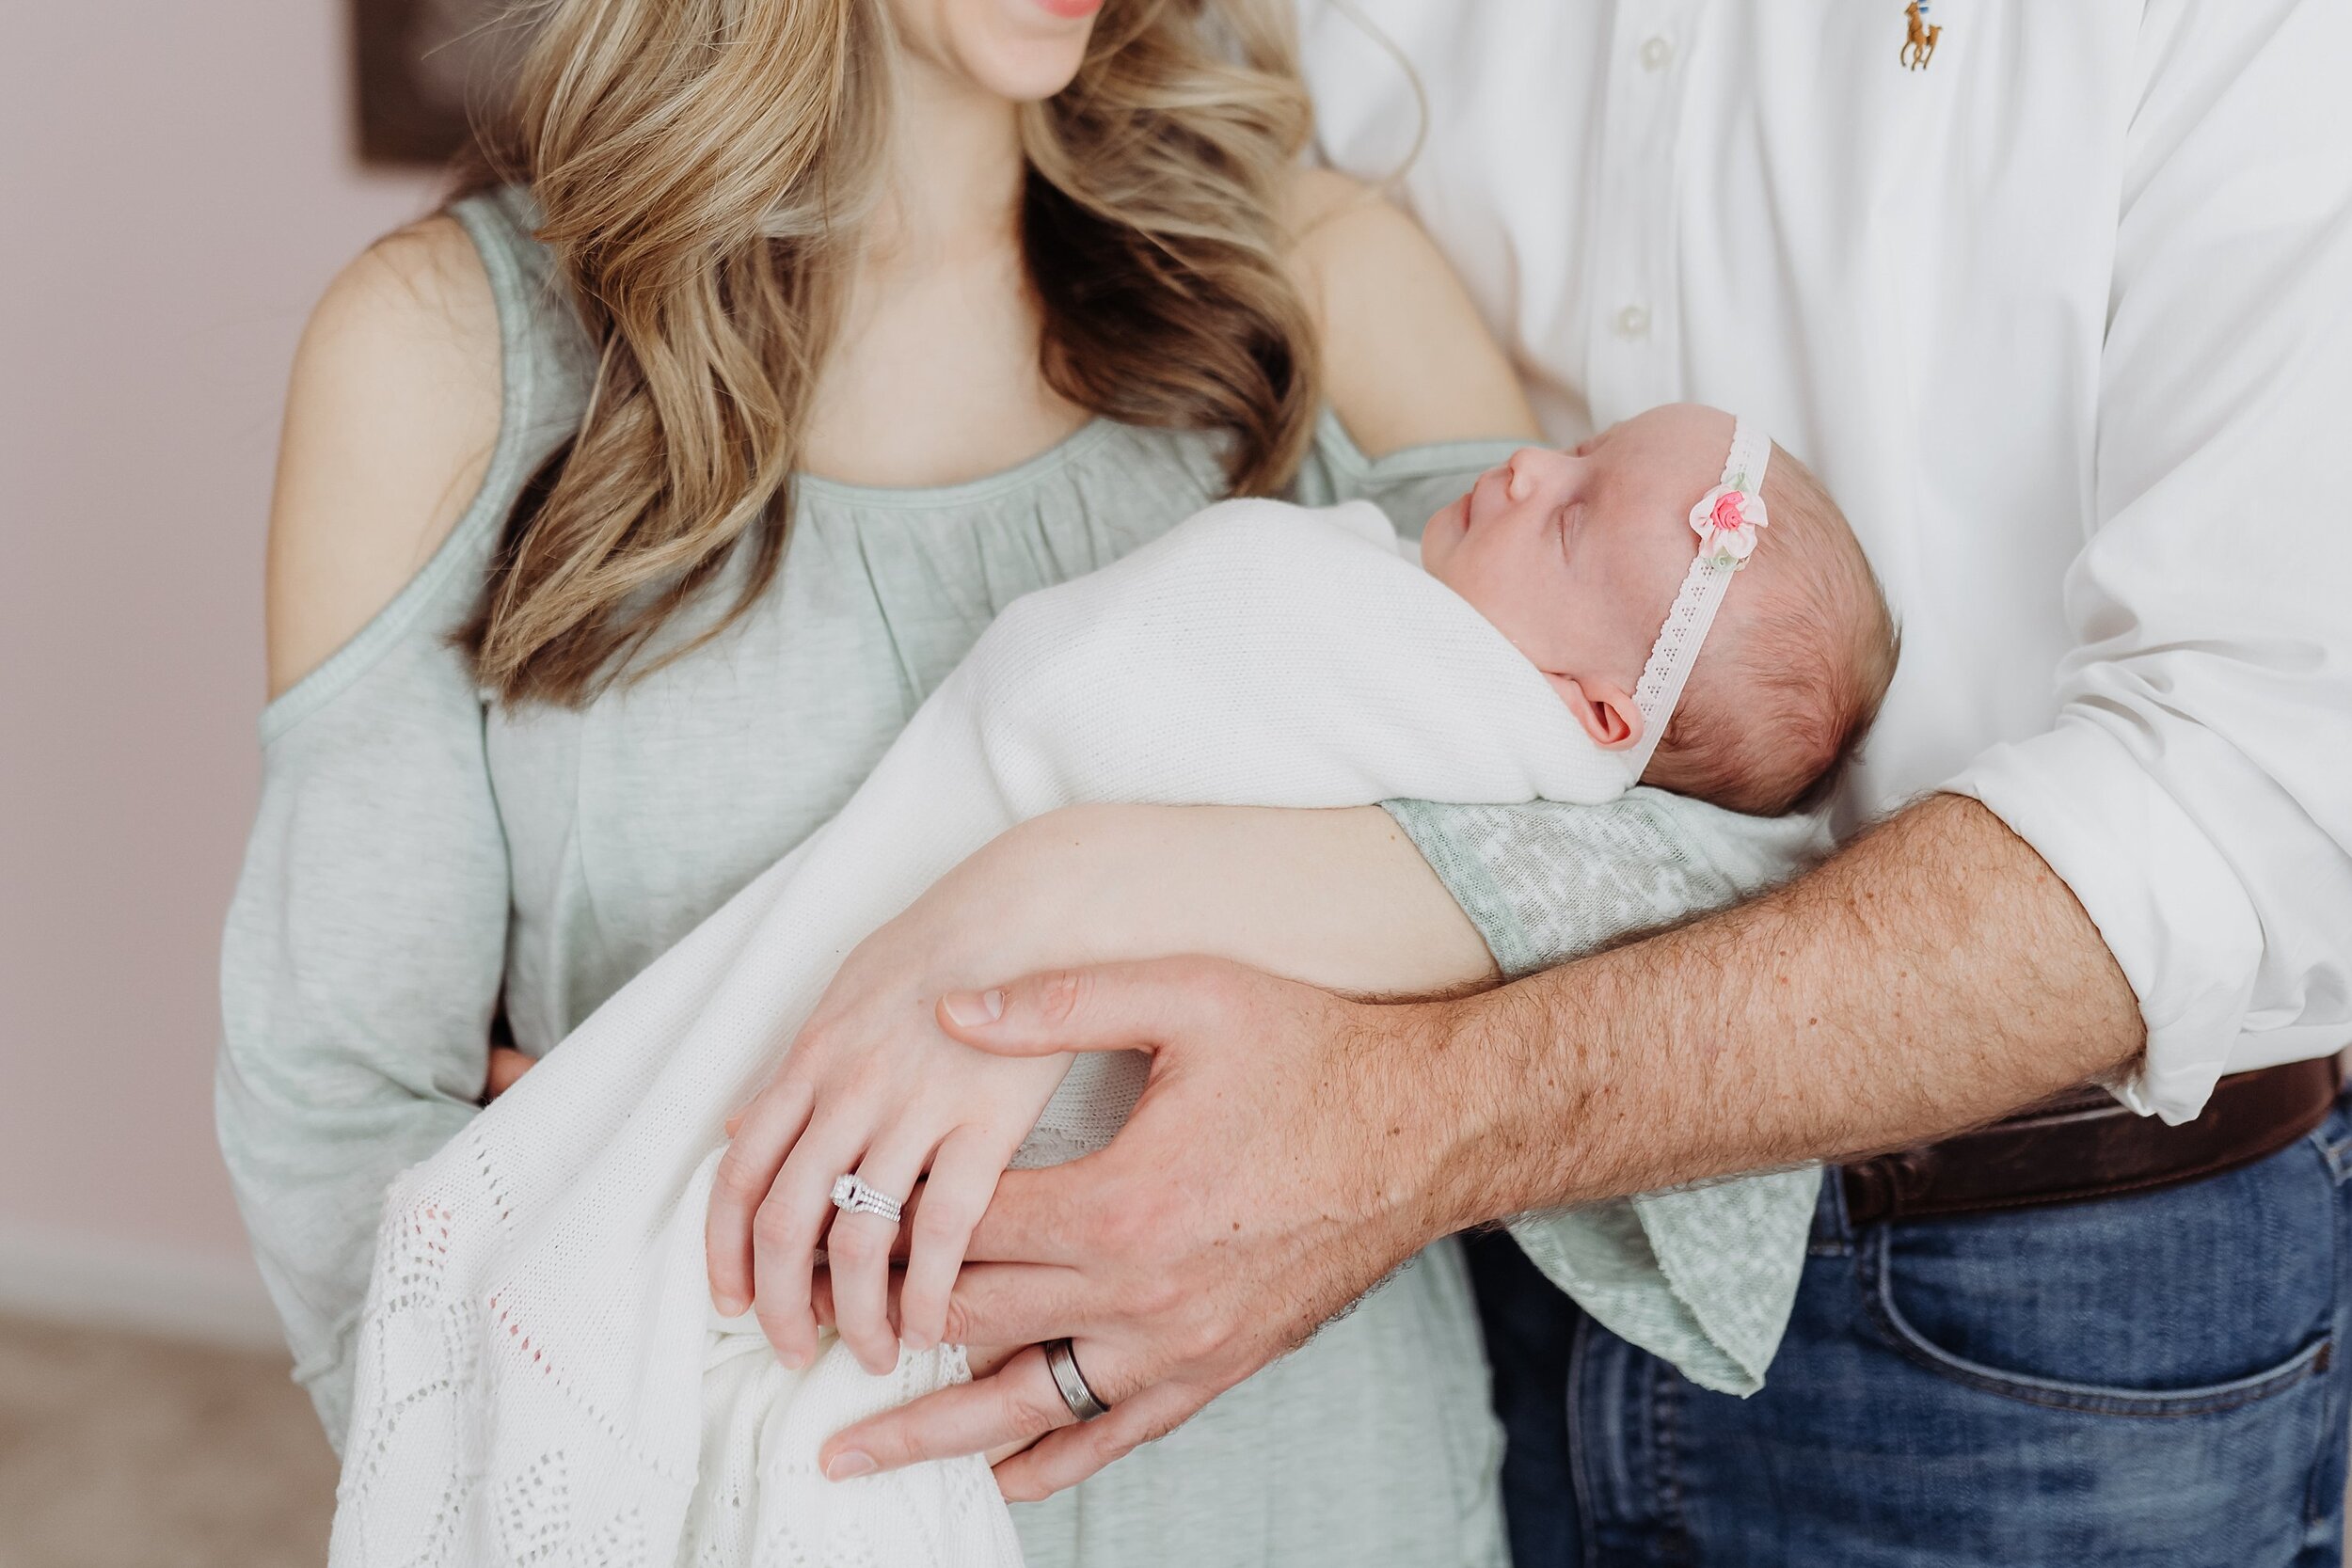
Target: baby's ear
[(1606, 710)]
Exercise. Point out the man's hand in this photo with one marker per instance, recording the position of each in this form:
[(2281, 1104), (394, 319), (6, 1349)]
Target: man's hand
[(1293, 1148), (1268, 1177)]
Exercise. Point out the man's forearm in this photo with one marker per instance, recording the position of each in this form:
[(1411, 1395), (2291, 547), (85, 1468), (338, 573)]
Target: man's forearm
[(1932, 975), (1293, 1148)]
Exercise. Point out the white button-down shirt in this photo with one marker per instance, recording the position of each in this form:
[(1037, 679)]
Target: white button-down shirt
[(2064, 320)]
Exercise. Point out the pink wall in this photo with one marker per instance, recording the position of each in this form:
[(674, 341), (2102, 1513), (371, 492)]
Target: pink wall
[(177, 187)]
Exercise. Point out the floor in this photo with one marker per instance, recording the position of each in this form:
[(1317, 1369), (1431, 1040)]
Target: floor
[(118, 1452)]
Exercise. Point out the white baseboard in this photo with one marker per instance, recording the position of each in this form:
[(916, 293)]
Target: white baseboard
[(171, 1292)]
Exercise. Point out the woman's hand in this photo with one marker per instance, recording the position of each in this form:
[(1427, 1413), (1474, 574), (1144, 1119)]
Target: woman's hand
[(507, 1065), (1339, 900), (871, 1086), (1291, 1150)]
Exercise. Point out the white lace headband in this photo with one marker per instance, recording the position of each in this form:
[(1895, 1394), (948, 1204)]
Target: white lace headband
[(1726, 520)]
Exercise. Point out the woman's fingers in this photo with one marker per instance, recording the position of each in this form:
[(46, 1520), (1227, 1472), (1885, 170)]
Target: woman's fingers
[(764, 1133), (507, 1065), (785, 1229), (963, 1175), (857, 1251)]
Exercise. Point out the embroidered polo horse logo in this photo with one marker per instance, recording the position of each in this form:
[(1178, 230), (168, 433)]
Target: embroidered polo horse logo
[(1919, 47)]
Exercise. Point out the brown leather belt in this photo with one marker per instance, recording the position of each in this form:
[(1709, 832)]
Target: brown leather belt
[(2084, 1145)]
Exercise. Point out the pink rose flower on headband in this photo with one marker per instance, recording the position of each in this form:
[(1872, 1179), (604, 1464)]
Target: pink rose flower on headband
[(1726, 519)]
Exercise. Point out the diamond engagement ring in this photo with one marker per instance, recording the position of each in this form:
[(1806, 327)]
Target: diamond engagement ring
[(1062, 1361), (851, 1195)]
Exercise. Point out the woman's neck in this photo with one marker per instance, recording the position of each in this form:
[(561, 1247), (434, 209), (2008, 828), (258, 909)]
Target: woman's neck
[(934, 376), (956, 169)]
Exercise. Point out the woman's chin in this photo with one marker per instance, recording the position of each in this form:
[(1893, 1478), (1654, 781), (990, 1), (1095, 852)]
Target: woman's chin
[(1024, 51), (1029, 76)]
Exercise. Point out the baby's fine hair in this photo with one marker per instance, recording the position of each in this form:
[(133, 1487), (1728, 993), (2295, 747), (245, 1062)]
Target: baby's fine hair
[(1794, 669)]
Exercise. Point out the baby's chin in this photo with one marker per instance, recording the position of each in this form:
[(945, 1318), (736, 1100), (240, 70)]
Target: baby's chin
[(1442, 531)]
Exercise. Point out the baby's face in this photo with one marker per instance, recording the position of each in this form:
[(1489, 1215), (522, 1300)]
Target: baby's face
[(1577, 556)]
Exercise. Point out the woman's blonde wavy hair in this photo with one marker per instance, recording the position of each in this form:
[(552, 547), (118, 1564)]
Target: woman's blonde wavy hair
[(704, 168)]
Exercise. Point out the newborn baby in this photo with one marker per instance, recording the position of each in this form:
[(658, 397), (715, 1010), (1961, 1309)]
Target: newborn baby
[(1639, 609), (1710, 623), (1577, 557)]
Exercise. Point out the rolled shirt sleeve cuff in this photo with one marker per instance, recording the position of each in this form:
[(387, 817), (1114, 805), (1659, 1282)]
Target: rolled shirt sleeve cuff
[(2163, 898)]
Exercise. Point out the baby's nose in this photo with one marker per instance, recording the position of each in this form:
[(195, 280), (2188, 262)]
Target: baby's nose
[(1530, 467)]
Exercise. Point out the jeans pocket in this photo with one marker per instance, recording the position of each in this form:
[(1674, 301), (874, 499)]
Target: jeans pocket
[(2196, 1299)]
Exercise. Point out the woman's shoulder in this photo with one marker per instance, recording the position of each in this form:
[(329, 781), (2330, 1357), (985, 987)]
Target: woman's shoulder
[(1406, 360), (418, 298), (391, 415), (438, 373)]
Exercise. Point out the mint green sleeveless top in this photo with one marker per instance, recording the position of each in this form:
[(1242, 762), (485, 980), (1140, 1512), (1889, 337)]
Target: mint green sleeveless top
[(423, 858)]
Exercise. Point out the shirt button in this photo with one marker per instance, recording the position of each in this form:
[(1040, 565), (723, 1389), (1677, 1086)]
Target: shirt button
[(1632, 322), (1657, 53)]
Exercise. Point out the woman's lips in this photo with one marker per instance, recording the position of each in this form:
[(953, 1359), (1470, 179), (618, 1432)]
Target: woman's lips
[(1072, 9)]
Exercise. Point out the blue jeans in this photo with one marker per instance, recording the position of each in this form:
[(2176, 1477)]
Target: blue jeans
[(2145, 1380)]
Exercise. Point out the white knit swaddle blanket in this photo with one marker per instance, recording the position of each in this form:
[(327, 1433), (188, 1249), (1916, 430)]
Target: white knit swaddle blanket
[(541, 1376)]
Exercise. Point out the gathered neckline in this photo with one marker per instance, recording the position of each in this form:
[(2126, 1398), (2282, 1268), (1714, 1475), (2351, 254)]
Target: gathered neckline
[(1059, 455)]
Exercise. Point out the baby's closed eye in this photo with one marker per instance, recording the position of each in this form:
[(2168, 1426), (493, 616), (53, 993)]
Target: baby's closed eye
[(1567, 524)]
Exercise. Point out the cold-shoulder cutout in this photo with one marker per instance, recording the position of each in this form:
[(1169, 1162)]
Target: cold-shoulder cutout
[(437, 374), (391, 419), (1406, 360)]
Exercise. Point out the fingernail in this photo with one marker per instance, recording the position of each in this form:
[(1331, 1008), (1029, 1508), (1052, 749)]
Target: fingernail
[(972, 1008), (918, 1343), (729, 1305), (849, 1465), (793, 1360)]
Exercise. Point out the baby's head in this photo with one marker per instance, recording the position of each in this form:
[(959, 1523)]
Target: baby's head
[(1577, 557)]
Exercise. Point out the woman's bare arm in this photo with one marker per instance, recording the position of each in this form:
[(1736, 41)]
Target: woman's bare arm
[(1407, 361), (389, 422), (1336, 898), (1340, 899)]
